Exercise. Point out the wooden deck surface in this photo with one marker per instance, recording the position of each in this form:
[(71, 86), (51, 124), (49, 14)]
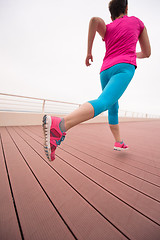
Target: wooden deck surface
[(89, 192)]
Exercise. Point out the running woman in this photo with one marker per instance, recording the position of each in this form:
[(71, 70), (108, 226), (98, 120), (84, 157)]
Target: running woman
[(118, 68)]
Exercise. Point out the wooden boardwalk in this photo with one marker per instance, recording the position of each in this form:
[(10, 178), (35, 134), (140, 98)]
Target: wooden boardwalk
[(89, 192)]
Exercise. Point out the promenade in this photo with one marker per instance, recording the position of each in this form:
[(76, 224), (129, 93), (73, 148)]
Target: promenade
[(89, 192)]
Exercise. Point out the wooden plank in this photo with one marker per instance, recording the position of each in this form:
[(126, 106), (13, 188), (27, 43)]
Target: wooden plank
[(141, 184), (82, 132), (83, 219), (125, 177), (122, 212), (135, 158), (117, 159), (38, 217), (105, 144), (9, 228), (143, 138), (125, 192), (114, 169), (118, 212)]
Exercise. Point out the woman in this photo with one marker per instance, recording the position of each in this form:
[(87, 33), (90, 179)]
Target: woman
[(118, 68)]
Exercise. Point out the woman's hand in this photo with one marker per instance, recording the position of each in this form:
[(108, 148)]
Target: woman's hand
[(89, 57)]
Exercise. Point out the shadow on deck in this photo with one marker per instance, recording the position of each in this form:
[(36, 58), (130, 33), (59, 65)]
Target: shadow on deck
[(88, 192)]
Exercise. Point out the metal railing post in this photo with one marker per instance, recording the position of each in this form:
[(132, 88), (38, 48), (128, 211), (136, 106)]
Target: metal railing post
[(43, 105)]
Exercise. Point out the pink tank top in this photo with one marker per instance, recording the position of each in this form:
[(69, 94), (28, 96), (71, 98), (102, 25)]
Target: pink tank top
[(120, 39)]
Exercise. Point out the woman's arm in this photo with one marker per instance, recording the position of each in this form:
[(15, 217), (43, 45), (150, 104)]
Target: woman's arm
[(145, 45), (96, 25)]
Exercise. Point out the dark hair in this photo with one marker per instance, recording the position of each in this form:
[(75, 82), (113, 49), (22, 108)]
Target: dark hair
[(117, 7)]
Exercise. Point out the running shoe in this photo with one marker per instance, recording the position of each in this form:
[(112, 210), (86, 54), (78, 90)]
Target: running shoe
[(52, 134), (120, 146)]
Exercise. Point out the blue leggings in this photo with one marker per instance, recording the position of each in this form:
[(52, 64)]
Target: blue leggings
[(114, 82)]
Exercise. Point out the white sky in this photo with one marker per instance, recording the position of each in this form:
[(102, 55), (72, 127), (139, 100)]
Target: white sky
[(43, 47)]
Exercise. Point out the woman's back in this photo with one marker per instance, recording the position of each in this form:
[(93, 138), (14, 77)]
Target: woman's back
[(121, 38)]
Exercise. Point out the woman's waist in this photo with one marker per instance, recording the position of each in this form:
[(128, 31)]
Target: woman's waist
[(124, 56), (111, 61)]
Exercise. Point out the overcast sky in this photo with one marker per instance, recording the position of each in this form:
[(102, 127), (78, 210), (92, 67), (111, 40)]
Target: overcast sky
[(43, 46)]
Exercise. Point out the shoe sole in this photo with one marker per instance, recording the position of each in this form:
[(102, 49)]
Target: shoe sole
[(46, 130), (120, 149)]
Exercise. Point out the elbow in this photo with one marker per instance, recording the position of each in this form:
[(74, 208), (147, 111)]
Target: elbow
[(94, 23), (94, 20), (148, 54)]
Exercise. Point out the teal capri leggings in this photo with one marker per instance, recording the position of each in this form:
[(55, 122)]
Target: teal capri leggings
[(114, 82)]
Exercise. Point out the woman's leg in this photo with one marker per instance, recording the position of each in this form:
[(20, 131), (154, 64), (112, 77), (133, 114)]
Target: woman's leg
[(120, 76), (109, 97), (83, 113), (116, 132), (112, 112), (113, 121)]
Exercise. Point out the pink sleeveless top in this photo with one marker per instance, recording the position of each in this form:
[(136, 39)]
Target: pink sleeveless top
[(120, 39)]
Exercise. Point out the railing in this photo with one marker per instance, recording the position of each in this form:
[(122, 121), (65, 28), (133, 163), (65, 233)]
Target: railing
[(16, 103), (131, 114)]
